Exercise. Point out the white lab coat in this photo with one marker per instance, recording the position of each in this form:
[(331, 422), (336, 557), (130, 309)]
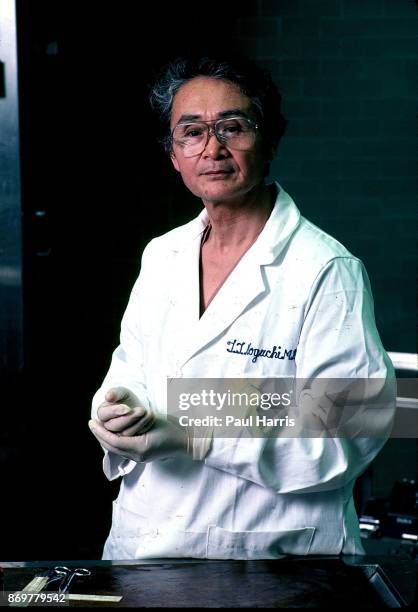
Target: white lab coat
[(298, 288)]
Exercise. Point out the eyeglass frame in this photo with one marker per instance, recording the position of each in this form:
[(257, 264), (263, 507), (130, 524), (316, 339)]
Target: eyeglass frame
[(211, 131)]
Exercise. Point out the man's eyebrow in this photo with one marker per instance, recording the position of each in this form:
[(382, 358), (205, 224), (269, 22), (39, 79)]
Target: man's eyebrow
[(231, 112), (187, 118)]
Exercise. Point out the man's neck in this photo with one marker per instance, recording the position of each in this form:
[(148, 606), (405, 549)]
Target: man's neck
[(235, 225)]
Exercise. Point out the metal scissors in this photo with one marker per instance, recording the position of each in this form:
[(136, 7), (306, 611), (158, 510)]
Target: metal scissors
[(68, 575)]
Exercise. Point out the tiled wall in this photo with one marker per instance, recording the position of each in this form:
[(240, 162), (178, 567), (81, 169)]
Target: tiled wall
[(348, 70)]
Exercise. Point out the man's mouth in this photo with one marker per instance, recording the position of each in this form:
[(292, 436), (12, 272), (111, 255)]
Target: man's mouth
[(216, 172)]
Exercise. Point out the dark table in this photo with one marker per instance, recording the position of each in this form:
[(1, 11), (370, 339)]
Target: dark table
[(297, 582)]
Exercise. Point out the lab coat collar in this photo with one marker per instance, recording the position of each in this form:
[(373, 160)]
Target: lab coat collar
[(278, 229), (280, 226), (245, 284)]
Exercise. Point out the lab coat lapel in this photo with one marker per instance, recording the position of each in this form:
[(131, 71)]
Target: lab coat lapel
[(241, 288), (244, 285), (185, 287)]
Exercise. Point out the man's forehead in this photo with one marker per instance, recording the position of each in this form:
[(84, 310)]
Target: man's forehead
[(230, 112), (204, 96)]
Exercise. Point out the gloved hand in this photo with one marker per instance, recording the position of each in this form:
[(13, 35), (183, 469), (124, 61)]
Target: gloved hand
[(123, 427), (165, 439), (121, 413)]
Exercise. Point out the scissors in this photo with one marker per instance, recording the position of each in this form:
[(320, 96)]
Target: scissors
[(67, 576)]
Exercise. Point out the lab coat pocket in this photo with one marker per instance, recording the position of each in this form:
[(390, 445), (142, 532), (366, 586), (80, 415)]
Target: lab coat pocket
[(224, 544), (124, 536)]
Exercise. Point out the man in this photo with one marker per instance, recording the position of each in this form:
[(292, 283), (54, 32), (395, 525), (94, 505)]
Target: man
[(250, 271)]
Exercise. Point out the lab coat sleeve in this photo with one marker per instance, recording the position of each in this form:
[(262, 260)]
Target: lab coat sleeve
[(338, 339), (126, 368)]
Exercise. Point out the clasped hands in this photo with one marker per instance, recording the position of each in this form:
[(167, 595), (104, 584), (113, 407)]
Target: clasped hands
[(127, 429)]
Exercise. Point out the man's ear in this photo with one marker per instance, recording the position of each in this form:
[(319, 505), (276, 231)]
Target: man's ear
[(174, 161), (269, 156)]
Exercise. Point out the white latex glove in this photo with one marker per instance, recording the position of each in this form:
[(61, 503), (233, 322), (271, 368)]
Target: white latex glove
[(165, 439), (122, 414), (122, 427)]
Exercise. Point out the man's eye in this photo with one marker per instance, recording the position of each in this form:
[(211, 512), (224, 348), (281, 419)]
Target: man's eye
[(232, 127), (193, 132)]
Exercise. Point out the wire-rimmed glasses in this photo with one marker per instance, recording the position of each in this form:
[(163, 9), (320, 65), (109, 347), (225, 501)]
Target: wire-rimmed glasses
[(233, 132)]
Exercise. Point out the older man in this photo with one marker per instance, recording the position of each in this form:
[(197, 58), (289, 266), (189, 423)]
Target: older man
[(249, 273)]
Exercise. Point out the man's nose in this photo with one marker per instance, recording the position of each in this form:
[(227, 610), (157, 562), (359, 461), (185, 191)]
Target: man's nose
[(214, 148)]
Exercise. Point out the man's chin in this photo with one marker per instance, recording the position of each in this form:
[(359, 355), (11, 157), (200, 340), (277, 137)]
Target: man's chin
[(218, 190)]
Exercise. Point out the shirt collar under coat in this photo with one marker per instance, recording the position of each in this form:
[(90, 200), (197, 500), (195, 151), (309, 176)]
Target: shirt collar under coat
[(281, 224)]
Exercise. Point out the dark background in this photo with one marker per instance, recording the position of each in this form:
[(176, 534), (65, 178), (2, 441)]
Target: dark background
[(96, 188)]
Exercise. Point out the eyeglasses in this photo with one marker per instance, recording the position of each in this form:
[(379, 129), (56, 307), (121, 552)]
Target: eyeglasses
[(235, 132)]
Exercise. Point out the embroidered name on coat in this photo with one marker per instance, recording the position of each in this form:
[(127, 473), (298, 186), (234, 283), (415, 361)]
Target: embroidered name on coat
[(245, 348)]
